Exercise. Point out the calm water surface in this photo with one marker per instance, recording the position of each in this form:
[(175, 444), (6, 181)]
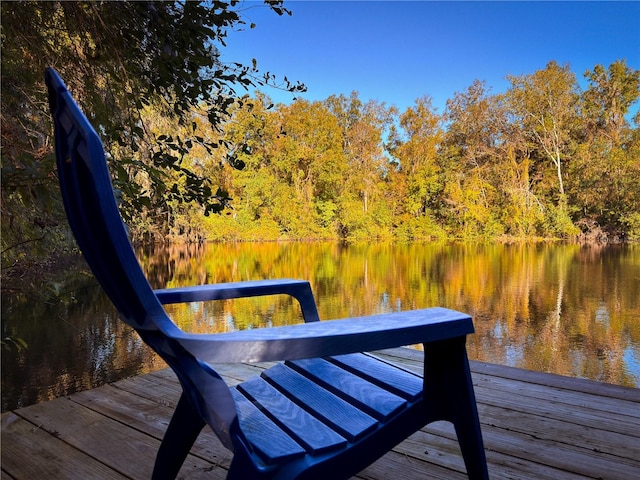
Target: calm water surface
[(567, 309)]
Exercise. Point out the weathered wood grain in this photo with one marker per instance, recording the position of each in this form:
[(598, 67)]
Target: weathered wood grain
[(535, 426), (30, 452)]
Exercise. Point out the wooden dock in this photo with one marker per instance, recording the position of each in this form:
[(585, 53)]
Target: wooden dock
[(535, 426)]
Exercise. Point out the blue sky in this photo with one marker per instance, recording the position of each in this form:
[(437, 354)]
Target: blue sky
[(396, 52)]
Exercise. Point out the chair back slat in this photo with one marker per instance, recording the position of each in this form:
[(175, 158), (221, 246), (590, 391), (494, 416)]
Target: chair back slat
[(92, 211)]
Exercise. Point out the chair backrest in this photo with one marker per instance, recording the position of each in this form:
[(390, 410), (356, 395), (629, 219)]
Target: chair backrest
[(96, 223), (92, 211)]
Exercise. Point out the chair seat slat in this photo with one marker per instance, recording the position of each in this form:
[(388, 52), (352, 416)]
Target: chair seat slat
[(394, 379), (271, 442), (305, 428), (346, 419), (374, 400)]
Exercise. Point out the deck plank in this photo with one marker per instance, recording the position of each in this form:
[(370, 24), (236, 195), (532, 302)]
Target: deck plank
[(22, 442), (535, 426), (101, 437), (150, 416)]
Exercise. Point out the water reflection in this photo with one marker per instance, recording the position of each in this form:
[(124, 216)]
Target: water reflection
[(566, 309), (74, 342)]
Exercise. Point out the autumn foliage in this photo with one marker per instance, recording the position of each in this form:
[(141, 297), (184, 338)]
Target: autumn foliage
[(543, 159)]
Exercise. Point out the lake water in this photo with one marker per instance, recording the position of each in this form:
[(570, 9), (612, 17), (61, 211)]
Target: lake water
[(567, 309)]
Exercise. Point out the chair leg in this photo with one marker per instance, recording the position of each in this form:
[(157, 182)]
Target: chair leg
[(471, 446), (184, 428), (449, 394)]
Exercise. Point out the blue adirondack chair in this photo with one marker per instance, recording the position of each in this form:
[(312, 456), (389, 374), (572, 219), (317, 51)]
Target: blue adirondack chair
[(326, 410)]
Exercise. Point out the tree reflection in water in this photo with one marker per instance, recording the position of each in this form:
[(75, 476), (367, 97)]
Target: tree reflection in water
[(567, 309)]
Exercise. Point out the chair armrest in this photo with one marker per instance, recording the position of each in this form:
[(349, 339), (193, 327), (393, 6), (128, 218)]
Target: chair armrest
[(322, 339), (298, 289)]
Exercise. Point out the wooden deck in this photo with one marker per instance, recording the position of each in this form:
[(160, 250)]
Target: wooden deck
[(535, 426)]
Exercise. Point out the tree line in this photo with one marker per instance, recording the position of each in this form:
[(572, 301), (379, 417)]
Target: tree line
[(544, 159), (194, 156)]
